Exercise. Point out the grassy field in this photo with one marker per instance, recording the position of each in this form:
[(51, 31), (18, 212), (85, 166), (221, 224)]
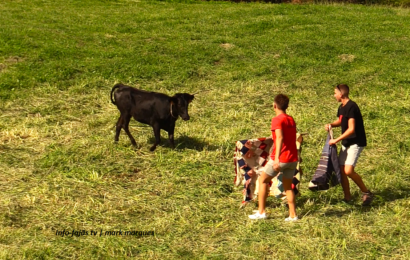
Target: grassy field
[(60, 168)]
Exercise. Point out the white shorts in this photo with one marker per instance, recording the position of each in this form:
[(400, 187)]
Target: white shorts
[(350, 155)]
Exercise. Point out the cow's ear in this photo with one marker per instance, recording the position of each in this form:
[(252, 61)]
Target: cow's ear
[(173, 100)]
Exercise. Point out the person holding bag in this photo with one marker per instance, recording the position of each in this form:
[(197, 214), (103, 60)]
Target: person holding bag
[(353, 139)]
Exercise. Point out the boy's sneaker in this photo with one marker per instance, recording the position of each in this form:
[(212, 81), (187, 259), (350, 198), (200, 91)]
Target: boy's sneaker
[(257, 215), (289, 219), (367, 198)]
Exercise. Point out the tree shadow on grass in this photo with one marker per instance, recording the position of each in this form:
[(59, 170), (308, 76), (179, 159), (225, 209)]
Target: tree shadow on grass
[(186, 142)]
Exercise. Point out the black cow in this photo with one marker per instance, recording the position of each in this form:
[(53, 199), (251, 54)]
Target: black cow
[(155, 109)]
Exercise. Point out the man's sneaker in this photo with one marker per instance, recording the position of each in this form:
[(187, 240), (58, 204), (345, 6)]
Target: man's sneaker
[(289, 219), (258, 216), (367, 198)]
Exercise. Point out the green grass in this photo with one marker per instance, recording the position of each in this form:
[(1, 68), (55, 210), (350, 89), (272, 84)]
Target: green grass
[(60, 168)]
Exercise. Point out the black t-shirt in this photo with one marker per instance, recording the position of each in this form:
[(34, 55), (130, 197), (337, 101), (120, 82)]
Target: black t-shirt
[(351, 110)]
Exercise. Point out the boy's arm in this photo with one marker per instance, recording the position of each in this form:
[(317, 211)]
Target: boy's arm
[(336, 123), (350, 130), (279, 143)]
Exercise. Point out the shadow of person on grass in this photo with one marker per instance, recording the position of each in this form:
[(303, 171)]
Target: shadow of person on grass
[(390, 194), (339, 208)]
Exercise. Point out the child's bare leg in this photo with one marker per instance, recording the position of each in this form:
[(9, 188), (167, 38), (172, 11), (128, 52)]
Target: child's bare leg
[(290, 195), (349, 171), (345, 184), (264, 180)]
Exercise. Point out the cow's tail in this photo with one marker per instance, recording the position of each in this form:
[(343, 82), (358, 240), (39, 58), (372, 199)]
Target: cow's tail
[(118, 85)]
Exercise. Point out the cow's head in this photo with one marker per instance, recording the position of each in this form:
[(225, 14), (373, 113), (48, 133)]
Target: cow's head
[(180, 103)]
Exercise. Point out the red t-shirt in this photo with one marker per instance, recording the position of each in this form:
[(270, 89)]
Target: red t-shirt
[(289, 152)]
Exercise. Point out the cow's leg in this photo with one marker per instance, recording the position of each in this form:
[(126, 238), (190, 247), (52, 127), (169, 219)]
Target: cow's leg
[(157, 133), (171, 138), (118, 128), (127, 119)]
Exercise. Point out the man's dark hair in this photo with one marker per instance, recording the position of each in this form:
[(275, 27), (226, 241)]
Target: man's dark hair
[(344, 89), (281, 101)]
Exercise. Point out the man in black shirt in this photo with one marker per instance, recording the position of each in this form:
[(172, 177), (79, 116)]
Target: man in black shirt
[(353, 141)]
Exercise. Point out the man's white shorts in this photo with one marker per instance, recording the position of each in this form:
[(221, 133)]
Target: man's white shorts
[(350, 155)]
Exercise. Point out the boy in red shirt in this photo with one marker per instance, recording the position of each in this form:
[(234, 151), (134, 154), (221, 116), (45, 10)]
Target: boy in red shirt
[(284, 158)]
